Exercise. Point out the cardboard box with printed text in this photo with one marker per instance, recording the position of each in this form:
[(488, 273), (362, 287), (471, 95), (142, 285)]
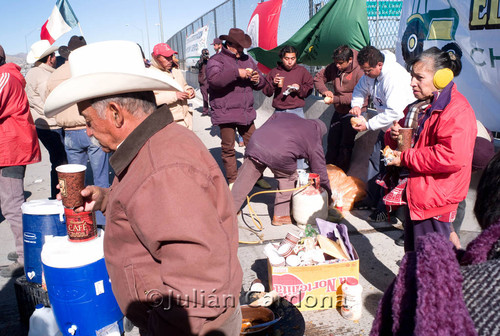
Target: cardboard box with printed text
[(313, 287)]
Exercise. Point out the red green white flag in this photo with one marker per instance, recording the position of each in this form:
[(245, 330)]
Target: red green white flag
[(61, 21)]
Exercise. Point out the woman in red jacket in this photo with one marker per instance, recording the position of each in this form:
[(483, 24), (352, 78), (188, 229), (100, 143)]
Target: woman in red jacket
[(439, 163)]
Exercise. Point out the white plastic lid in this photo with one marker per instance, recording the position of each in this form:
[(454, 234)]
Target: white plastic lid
[(60, 252), (71, 168), (43, 207)]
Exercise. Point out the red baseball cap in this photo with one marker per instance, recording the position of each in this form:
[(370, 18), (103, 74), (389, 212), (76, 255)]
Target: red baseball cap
[(164, 50)]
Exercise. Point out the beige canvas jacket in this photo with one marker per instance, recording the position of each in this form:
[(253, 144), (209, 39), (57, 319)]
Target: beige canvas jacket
[(36, 89), (180, 109)]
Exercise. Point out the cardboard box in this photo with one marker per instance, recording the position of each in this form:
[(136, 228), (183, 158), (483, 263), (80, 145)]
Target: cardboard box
[(313, 287)]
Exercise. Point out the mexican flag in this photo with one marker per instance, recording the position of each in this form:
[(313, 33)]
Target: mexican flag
[(338, 22), (60, 22), (263, 27)]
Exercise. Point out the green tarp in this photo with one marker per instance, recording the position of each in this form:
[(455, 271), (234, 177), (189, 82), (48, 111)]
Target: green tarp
[(338, 22)]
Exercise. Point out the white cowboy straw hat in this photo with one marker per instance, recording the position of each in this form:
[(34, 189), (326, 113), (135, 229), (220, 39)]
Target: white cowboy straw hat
[(39, 50), (106, 68)]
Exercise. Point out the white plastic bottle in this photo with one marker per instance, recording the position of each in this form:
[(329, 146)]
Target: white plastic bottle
[(352, 304), (43, 322)]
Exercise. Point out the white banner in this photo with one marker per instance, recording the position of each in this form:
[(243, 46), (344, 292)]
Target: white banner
[(195, 44), (470, 27)]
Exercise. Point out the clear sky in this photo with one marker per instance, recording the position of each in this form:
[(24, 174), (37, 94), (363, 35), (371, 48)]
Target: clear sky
[(100, 20)]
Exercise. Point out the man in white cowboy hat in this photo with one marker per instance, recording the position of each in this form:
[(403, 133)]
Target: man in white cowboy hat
[(42, 54), (171, 235), (232, 77), (79, 147)]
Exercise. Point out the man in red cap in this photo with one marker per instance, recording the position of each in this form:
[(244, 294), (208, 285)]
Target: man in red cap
[(232, 76), (177, 101)]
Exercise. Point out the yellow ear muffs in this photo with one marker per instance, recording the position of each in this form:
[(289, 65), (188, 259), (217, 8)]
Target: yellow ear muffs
[(442, 77)]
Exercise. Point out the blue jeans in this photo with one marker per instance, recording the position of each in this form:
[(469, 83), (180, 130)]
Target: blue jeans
[(298, 111), (80, 149), (301, 163), (52, 140)]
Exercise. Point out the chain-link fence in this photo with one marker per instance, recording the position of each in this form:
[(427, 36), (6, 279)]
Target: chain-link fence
[(383, 21)]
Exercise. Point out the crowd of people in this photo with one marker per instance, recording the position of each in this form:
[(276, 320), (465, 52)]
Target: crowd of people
[(162, 171)]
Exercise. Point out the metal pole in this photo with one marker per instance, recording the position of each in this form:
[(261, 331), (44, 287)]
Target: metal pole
[(215, 23), (26, 38), (311, 9), (376, 25), (161, 20), (234, 14), (147, 29)]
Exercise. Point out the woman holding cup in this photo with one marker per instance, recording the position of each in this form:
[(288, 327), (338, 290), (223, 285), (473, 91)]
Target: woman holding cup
[(440, 155)]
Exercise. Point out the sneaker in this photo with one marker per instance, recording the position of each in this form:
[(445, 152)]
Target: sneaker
[(13, 270), (378, 216), (281, 220), (263, 184), (400, 241), (12, 256)]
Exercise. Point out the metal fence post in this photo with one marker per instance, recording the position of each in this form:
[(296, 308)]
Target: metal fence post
[(234, 13), (311, 9), (215, 23), (376, 25)]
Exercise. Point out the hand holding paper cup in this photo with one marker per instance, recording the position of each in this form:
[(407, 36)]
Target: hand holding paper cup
[(280, 81), (71, 183), (404, 139)]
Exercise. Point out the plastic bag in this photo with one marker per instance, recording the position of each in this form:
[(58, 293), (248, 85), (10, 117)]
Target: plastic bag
[(345, 189)]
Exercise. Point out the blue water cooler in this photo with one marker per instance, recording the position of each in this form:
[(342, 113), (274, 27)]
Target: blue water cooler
[(41, 219), (79, 287)]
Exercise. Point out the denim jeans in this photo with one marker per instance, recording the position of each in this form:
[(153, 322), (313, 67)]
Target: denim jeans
[(52, 140), (298, 111), (301, 163), (80, 149)]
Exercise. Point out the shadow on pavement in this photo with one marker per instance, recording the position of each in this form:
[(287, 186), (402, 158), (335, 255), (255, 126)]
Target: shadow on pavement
[(370, 267), (10, 324)]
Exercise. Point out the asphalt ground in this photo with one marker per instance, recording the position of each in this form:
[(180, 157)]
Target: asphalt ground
[(378, 255)]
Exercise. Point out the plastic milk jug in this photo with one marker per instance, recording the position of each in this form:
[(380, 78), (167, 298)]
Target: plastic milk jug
[(43, 322), (351, 299)]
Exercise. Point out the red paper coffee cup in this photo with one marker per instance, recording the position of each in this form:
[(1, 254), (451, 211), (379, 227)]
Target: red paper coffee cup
[(404, 139), (71, 183), (81, 226)]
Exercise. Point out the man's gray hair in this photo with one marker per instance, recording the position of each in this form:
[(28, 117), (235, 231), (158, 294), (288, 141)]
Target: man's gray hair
[(136, 103)]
